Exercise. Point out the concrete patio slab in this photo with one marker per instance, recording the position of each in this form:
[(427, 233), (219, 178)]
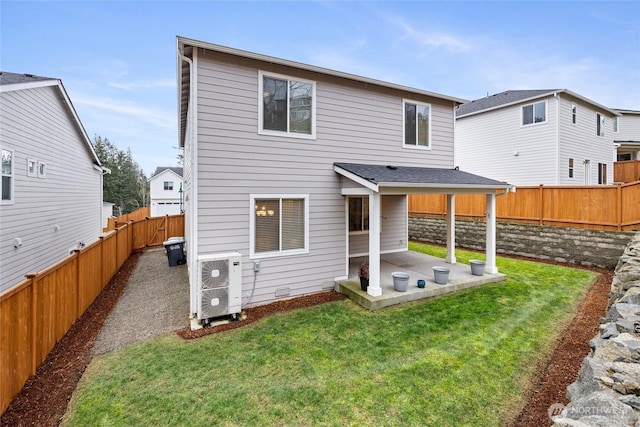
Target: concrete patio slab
[(419, 266)]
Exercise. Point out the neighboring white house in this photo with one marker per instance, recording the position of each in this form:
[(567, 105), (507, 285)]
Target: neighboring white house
[(165, 191), (626, 134), (532, 137), (107, 212), (51, 177), (297, 168)]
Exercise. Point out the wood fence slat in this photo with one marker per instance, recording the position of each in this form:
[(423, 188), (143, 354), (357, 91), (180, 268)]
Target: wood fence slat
[(611, 207)]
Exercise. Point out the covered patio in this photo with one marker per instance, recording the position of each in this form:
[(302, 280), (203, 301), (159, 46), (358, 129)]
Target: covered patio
[(418, 266), (375, 182)]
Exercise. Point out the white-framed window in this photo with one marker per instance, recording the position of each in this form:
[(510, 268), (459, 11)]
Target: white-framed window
[(286, 106), (32, 167), (42, 169), (599, 125), (570, 167), (574, 114), (168, 185), (7, 176), (279, 225), (602, 173), (358, 214), (416, 130), (615, 124), (534, 113)]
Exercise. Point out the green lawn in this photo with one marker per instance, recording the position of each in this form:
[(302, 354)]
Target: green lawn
[(459, 360)]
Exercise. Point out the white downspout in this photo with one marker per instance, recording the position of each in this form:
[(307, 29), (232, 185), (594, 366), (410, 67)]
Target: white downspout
[(192, 253)]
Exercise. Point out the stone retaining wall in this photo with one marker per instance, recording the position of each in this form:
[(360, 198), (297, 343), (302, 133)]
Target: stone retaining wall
[(563, 244), (607, 391)]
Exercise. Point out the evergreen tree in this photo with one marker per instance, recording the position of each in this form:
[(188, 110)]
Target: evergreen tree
[(126, 186)]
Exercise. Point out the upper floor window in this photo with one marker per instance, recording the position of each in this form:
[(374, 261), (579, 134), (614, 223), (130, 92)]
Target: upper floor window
[(287, 106), (7, 175), (615, 124), (534, 113), (574, 113), (168, 185), (599, 125), (279, 225), (417, 124)]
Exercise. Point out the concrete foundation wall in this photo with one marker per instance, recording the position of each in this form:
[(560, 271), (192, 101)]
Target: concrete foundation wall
[(570, 245)]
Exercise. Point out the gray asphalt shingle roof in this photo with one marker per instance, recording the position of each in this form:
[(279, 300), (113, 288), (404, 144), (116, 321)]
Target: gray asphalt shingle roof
[(7, 78), (377, 174), (503, 98), (159, 169)]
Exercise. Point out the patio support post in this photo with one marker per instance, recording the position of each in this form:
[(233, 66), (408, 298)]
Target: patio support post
[(374, 288), (451, 229), (490, 266)]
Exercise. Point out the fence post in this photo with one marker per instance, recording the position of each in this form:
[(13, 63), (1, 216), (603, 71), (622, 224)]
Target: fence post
[(76, 253), (619, 207), (34, 317), (541, 221)]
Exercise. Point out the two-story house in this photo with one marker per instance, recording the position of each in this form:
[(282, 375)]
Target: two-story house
[(165, 191), (532, 137), (626, 134), (51, 177), (297, 168)]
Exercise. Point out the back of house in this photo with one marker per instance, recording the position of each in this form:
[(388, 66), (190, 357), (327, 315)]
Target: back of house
[(262, 137), (51, 178), (532, 137)]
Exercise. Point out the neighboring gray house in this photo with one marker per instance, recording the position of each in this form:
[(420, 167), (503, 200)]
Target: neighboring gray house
[(292, 169), (532, 137), (626, 134), (165, 191), (51, 177)]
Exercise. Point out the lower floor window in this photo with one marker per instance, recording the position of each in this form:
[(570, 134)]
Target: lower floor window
[(602, 173), (279, 224), (358, 214)]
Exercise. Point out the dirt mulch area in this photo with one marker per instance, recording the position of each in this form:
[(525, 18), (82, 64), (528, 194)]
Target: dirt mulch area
[(44, 398)]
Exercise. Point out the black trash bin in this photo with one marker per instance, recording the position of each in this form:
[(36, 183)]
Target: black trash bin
[(175, 251)]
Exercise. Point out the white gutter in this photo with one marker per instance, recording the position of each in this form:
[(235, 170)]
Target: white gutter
[(191, 128)]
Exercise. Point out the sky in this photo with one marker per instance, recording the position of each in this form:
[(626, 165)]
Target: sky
[(117, 59)]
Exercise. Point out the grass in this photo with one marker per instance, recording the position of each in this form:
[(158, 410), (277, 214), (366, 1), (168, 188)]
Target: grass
[(459, 360)]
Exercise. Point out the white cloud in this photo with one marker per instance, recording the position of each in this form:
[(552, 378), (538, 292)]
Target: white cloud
[(145, 84), (156, 117), (431, 39)]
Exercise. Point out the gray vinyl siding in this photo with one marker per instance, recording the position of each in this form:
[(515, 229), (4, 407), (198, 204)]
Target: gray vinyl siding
[(628, 128), (486, 144), (580, 142), (36, 124), (355, 123)]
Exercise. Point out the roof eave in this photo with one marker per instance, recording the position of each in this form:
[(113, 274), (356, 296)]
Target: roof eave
[(182, 41)]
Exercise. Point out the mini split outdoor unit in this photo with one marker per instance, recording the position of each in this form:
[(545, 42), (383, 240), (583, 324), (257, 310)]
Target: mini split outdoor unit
[(219, 285)]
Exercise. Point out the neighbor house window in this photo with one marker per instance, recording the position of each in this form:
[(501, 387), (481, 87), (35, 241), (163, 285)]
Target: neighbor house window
[(32, 167), (570, 168), (602, 173), (358, 214), (7, 175), (42, 169), (279, 225), (615, 124), (599, 125), (168, 185), (417, 124), (287, 106), (534, 113), (574, 113)]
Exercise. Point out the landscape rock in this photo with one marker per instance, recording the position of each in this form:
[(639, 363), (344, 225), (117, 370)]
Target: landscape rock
[(607, 389)]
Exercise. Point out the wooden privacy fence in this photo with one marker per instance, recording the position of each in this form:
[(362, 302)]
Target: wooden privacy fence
[(38, 312), (138, 214), (613, 207), (627, 171)]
